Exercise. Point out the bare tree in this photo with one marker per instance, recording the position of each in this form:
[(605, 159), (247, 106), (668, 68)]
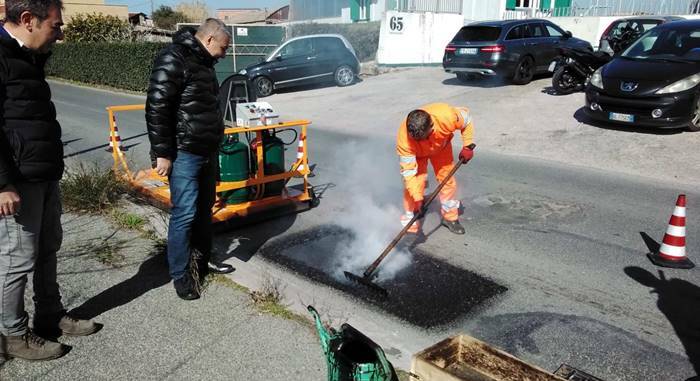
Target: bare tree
[(195, 11)]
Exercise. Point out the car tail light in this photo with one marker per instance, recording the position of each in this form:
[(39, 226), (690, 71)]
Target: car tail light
[(494, 49), (450, 48)]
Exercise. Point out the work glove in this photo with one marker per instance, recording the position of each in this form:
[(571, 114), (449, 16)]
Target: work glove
[(466, 154), (418, 207)]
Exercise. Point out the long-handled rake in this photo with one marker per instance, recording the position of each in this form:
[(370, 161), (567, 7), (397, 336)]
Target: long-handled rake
[(370, 273)]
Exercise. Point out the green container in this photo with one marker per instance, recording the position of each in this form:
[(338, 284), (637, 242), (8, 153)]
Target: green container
[(273, 160), (352, 356), (233, 166)]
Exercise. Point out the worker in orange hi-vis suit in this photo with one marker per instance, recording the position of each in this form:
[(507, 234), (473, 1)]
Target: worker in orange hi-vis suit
[(426, 135)]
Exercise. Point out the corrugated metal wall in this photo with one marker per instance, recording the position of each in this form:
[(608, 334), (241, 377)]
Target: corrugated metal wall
[(316, 9)]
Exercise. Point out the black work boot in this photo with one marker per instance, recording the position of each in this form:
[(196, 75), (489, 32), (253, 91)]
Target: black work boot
[(216, 267), (185, 288), (31, 347), (52, 326), (453, 226)]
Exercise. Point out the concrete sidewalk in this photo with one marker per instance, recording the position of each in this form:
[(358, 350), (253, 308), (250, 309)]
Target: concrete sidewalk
[(120, 278)]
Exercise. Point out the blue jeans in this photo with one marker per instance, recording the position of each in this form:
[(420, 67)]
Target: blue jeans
[(192, 194)]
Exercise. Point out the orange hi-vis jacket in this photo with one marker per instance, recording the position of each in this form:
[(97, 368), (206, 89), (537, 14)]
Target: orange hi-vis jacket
[(446, 120)]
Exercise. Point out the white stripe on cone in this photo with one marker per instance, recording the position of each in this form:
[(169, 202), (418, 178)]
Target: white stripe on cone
[(679, 211), (676, 231), (300, 154), (672, 251)]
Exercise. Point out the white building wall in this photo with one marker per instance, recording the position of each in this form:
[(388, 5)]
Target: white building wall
[(421, 39), (480, 10)]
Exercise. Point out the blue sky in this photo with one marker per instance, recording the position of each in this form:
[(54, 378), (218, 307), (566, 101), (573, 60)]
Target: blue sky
[(145, 5)]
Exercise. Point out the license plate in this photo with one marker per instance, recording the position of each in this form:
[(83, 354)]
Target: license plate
[(552, 66), (621, 117), (467, 51)]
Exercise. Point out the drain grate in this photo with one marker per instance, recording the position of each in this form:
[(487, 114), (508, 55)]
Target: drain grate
[(570, 373), (427, 293)]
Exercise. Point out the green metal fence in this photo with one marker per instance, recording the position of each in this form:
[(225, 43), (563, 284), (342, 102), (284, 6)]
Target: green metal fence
[(250, 45)]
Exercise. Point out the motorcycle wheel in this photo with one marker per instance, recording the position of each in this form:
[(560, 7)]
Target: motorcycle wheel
[(565, 82)]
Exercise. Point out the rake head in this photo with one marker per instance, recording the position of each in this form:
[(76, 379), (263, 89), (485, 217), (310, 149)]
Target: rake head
[(365, 281)]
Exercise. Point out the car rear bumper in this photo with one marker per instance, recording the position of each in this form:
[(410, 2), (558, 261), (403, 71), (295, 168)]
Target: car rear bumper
[(486, 67), (676, 110), (470, 70)]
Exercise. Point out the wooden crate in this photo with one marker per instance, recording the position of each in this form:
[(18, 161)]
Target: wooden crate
[(464, 358)]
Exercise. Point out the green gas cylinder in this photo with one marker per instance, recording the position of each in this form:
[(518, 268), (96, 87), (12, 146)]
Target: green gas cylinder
[(233, 166), (273, 160)]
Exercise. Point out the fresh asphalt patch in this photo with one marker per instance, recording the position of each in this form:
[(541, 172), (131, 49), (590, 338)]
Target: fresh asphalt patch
[(427, 293)]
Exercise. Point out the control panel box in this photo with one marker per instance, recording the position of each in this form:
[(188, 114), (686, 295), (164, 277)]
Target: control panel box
[(255, 114)]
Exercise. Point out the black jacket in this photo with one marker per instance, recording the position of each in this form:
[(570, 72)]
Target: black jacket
[(30, 137), (182, 109)]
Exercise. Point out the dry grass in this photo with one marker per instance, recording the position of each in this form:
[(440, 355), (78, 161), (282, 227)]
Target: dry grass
[(91, 189)]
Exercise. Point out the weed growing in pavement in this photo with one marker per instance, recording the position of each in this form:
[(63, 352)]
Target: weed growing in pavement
[(90, 189), (127, 220), (224, 281), (269, 300), (108, 254)]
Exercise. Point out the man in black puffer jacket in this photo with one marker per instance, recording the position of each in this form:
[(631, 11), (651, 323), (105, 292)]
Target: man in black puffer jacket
[(31, 164), (185, 127)]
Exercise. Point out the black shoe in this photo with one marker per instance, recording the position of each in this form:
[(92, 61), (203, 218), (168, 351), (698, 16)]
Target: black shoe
[(185, 289), (215, 267), (453, 226)]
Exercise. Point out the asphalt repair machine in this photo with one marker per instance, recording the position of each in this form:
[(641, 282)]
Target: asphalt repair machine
[(254, 181)]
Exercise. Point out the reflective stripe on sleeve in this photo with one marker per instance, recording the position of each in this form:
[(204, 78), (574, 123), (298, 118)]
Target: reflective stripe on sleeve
[(466, 116), (407, 159), (409, 172)]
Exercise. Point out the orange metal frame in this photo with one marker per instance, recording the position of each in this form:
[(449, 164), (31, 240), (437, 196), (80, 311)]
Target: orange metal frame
[(156, 189)]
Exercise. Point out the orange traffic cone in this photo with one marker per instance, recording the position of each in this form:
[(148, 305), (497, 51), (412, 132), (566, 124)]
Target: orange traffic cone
[(300, 153), (116, 138), (672, 250)]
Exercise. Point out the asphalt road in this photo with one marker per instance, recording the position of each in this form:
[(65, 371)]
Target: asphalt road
[(564, 242)]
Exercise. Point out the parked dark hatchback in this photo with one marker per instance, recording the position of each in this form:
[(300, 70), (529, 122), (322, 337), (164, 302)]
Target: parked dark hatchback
[(652, 83), (515, 49), (305, 60)]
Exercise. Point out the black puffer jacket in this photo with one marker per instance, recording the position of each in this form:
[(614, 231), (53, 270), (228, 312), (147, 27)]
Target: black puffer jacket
[(30, 137), (182, 109)]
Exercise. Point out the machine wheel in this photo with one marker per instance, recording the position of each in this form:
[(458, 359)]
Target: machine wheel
[(524, 71), (263, 86), (694, 125), (344, 76), (315, 201), (564, 82)]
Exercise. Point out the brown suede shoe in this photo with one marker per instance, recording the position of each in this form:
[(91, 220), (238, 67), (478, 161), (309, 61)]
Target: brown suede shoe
[(65, 325), (31, 347)]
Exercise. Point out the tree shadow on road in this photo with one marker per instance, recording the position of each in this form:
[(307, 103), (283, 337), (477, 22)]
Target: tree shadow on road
[(679, 300), (581, 117), (152, 273)]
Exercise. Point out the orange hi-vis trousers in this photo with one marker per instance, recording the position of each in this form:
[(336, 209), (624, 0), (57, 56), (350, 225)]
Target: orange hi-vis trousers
[(442, 163)]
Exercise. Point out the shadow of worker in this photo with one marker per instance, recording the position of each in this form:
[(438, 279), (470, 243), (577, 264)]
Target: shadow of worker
[(152, 273), (679, 300)]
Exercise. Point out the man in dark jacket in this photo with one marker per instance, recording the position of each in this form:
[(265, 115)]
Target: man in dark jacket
[(31, 164), (185, 127)]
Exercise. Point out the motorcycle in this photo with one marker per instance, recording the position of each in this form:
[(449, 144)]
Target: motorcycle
[(574, 67)]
